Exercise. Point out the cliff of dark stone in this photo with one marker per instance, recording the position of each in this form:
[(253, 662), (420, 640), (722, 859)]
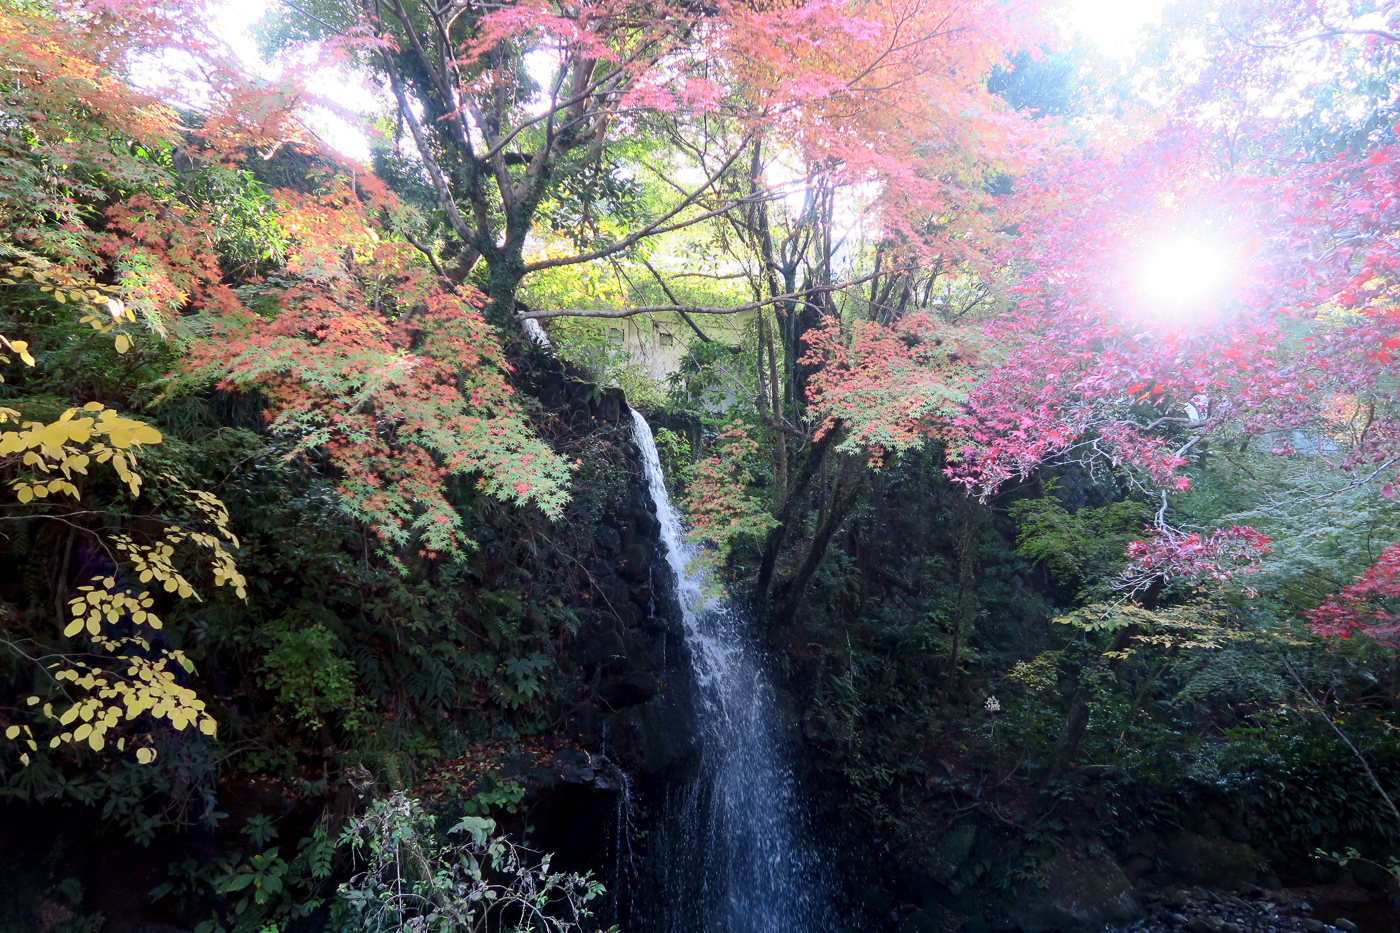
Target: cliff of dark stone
[(627, 731)]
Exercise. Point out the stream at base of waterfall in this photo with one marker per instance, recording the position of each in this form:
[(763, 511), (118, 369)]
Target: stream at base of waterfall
[(733, 852)]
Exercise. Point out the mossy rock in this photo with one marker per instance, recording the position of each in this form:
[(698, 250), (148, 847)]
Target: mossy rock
[(947, 855), (1219, 862), (1083, 896), (920, 921)]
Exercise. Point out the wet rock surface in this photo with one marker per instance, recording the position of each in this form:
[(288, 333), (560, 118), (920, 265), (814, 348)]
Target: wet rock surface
[(1203, 911)]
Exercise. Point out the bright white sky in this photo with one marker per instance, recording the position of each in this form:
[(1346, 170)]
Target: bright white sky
[(1112, 25)]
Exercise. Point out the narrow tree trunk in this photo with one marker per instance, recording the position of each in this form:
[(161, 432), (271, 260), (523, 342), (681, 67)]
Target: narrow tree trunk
[(774, 542), (764, 385), (1365, 765), (964, 604), (782, 472), (796, 588)]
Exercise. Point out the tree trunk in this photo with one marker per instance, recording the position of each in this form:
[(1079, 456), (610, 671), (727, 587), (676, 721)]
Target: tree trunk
[(774, 542), (504, 274), (781, 447), (795, 589)]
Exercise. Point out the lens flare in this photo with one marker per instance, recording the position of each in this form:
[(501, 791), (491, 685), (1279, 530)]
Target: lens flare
[(1185, 273)]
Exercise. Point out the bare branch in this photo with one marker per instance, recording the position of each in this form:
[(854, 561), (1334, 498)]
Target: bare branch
[(659, 225), (688, 309)]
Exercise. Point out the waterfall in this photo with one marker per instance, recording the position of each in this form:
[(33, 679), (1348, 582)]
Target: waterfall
[(535, 332), (733, 853)]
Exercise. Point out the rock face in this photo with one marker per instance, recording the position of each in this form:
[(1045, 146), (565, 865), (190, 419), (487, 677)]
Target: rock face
[(947, 855), (627, 723), (627, 652), (1219, 863), (1084, 896)]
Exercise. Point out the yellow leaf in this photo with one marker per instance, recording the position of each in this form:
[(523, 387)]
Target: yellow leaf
[(82, 732), (12, 732), (73, 628), (53, 435), (24, 494), (123, 432), (208, 726), (123, 343), (96, 740), (145, 755)]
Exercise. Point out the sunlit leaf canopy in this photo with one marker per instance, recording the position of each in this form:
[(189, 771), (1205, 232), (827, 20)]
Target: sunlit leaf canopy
[(1200, 250)]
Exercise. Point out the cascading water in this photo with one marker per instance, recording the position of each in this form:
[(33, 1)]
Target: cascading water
[(733, 853)]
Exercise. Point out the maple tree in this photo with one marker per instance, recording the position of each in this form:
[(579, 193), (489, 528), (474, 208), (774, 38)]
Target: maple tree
[(120, 219), (1364, 605), (535, 116), (717, 502), (372, 360), (1090, 368)]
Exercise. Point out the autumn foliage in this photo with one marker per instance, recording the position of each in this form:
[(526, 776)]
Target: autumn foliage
[(393, 375), (1364, 605), (121, 216), (891, 387)]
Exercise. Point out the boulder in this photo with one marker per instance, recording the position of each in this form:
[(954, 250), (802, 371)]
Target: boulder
[(645, 523), (655, 738), (613, 591), (1084, 895), (947, 855), (636, 562), (603, 647), (607, 539), (630, 690), (1219, 862), (573, 766)]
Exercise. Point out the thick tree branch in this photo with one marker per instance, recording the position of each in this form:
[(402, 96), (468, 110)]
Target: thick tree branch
[(691, 309), (657, 226), (774, 542)]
